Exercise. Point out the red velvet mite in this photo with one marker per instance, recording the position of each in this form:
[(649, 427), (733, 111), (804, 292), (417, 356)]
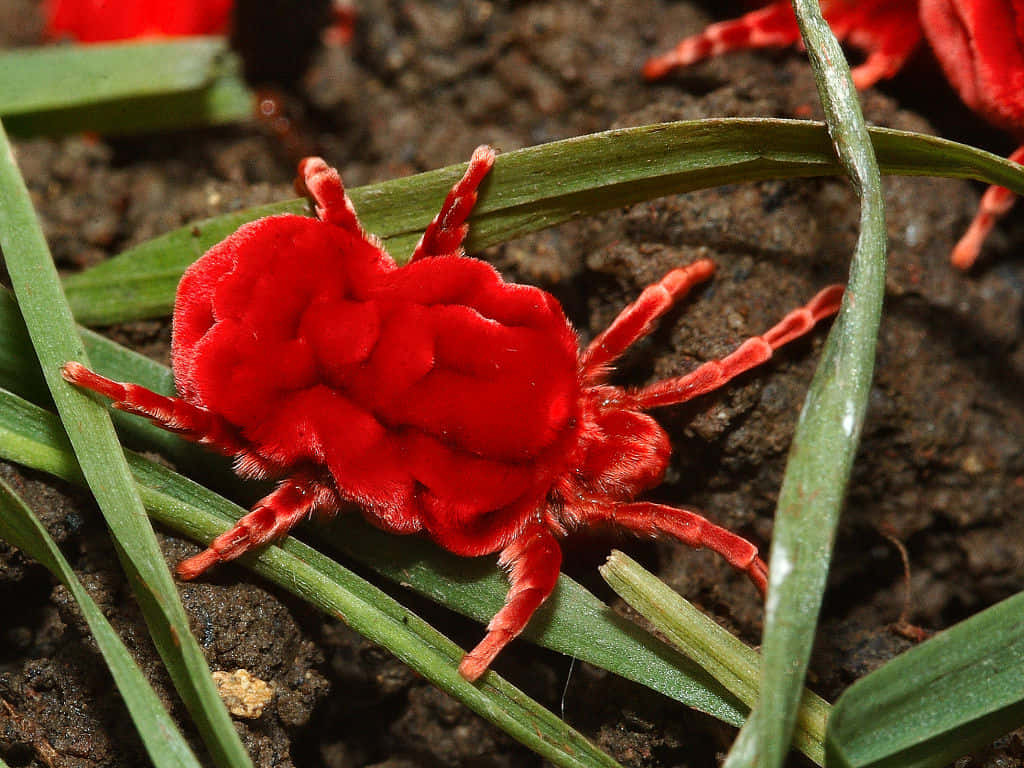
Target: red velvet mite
[(436, 396)]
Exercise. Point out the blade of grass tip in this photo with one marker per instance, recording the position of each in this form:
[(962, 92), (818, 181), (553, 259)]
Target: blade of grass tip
[(122, 88), (163, 741), (52, 331), (539, 187), (34, 438), (573, 620), (951, 695), (828, 431), (727, 658)]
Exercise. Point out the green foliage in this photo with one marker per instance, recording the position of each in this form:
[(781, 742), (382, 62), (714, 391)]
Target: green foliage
[(163, 741), (122, 88)]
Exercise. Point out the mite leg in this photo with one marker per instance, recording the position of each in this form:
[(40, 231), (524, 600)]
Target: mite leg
[(694, 530), (637, 320), (994, 203), (772, 26), (171, 413), (533, 560), (323, 185), (444, 235), (752, 352), (271, 519)]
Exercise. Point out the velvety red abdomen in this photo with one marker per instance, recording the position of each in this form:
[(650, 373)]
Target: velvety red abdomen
[(434, 387)]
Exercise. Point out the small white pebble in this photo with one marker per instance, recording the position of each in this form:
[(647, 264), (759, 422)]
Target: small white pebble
[(243, 694)]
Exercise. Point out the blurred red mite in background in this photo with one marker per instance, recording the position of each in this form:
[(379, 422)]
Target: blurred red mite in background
[(979, 44), (100, 21)]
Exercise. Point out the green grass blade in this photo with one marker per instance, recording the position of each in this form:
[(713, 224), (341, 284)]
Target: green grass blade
[(122, 88), (160, 736), (825, 442), (573, 621), (731, 662), (55, 339), (948, 696), (539, 187)]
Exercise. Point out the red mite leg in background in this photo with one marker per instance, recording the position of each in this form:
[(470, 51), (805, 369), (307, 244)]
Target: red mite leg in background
[(887, 30)]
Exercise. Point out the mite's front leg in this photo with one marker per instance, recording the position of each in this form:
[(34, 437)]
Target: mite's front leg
[(533, 559)]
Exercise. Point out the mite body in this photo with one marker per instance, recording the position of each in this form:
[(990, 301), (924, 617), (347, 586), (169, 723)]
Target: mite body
[(437, 397)]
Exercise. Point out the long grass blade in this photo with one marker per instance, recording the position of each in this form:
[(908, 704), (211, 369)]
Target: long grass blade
[(951, 695), (538, 187), (825, 442), (55, 340), (122, 88), (160, 736)]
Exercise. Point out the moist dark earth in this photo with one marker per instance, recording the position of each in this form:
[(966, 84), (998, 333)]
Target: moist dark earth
[(940, 471)]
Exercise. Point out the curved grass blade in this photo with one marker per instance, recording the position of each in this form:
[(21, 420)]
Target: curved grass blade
[(55, 339), (825, 442), (731, 662), (122, 88), (539, 187), (160, 736), (951, 695), (33, 437)]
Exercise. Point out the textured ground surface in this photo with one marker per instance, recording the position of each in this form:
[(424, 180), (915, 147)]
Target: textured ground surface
[(940, 470)]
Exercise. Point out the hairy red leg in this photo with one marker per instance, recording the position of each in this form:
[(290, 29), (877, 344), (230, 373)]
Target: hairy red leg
[(994, 203), (171, 413), (694, 530), (888, 30), (446, 232), (323, 185), (637, 320), (271, 519), (772, 26), (752, 352), (533, 560)]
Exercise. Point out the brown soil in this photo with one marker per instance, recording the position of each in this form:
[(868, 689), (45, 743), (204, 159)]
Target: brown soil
[(941, 468)]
